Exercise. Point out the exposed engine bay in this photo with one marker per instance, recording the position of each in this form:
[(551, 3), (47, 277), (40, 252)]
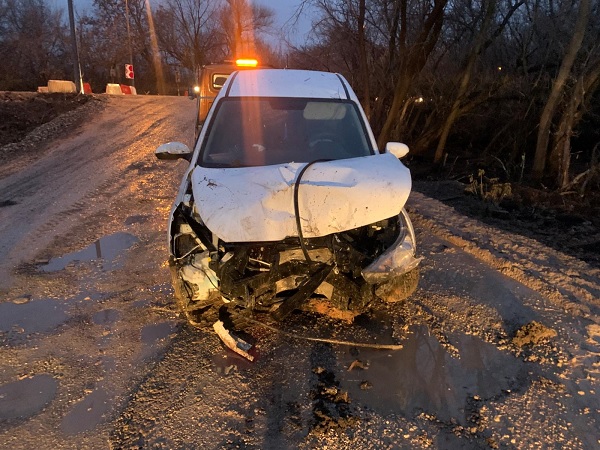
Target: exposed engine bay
[(349, 269)]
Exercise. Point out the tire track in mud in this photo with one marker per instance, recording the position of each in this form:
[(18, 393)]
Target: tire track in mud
[(204, 396), (102, 206), (577, 291), (96, 215), (153, 399), (59, 190), (201, 395)]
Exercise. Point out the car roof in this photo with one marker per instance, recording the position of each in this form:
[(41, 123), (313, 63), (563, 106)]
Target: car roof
[(288, 83)]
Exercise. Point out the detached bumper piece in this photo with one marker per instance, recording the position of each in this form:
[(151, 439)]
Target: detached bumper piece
[(234, 343)]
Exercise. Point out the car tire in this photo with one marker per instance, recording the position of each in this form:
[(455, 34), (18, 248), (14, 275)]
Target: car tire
[(198, 314), (399, 288)]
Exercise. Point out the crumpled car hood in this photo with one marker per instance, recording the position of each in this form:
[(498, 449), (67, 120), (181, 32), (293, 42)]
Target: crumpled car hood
[(254, 204)]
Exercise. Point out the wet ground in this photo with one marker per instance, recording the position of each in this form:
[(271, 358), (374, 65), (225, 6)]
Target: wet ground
[(500, 345)]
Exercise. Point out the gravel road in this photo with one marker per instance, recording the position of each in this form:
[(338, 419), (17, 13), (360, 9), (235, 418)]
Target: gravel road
[(500, 343)]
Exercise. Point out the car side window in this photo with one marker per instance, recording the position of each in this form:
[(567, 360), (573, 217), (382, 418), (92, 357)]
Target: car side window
[(218, 80)]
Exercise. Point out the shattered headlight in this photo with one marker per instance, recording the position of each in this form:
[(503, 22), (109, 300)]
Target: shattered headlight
[(397, 260)]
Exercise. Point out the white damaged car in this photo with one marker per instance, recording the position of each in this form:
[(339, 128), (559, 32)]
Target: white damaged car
[(286, 200)]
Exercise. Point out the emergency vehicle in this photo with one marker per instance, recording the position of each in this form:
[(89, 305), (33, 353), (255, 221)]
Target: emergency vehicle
[(211, 80)]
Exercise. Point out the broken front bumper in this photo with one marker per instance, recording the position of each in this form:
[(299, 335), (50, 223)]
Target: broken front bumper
[(278, 277)]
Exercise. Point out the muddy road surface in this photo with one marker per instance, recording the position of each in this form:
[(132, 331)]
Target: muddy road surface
[(500, 345)]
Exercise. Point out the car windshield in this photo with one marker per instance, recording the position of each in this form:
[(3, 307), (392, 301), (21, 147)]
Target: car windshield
[(265, 131)]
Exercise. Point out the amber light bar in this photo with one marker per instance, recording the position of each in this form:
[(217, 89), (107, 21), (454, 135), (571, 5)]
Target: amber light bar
[(246, 62)]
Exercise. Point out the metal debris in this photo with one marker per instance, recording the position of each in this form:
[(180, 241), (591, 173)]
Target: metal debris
[(234, 343)]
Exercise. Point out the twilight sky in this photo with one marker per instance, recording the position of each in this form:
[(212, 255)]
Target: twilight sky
[(284, 10)]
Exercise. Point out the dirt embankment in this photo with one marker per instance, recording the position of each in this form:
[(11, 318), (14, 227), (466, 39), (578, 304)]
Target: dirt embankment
[(30, 121), (571, 228), (23, 112)]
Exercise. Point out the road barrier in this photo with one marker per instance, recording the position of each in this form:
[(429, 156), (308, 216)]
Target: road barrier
[(113, 89), (62, 86), (128, 89), (120, 89)]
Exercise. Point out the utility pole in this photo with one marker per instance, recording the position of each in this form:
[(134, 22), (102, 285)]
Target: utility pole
[(76, 65), (132, 80)]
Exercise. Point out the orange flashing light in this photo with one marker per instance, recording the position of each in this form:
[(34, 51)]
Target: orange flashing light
[(246, 62)]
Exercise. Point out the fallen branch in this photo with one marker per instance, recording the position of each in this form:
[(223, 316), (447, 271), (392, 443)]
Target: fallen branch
[(586, 175), (325, 340)]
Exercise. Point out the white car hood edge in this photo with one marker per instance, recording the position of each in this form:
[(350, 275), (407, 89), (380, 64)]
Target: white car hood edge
[(255, 204)]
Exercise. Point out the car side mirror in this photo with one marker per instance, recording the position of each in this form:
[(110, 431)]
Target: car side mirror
[(173, 150), (398, 149), (193, 92)]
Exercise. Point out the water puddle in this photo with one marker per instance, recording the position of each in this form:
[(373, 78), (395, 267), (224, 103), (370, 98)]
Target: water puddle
[(423, 376), (139, 218), (228, 362), (88, 413), (106, 317), (88, 295), (108, 250), (24, 398), (37, 316), (156, 338), (143, 303), (164, 288), (153, 333)]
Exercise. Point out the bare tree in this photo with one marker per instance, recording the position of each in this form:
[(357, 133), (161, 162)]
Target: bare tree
[(541, 150), (187, 31), (363, 58), (413, 55), (134, 27), (482, 40), (32, 44), (241, 24), (579, 97), (107, 40)]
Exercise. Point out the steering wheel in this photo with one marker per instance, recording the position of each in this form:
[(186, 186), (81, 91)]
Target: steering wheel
[(324, 137), (326, 146)]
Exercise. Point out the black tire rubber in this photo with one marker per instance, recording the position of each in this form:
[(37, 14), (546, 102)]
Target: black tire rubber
[(399, 288), (198, 314)]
